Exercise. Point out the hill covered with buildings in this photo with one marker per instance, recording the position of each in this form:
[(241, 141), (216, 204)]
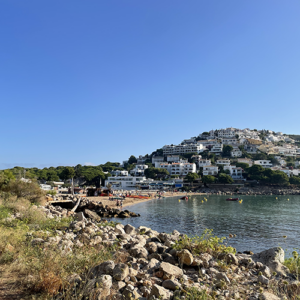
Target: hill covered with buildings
[(228, 155)]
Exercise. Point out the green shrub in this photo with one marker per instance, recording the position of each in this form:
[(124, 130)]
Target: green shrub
[(207, 242)]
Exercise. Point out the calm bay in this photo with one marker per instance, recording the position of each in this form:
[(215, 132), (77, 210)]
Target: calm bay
[(259, 222)]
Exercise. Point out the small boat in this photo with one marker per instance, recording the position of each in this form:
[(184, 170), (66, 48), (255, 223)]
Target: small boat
[(232, 199), (184, 198)]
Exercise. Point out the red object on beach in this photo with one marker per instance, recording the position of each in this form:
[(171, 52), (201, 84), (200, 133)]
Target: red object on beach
[(232, 199)]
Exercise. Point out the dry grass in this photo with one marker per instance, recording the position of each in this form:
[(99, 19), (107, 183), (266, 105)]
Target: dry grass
[(43, 271)]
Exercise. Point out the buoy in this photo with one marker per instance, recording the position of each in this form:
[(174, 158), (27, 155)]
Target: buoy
[(178, 200), (288, 199), (202, 201)]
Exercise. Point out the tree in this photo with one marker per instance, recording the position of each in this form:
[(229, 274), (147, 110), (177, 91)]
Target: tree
[(190, 177), (295, 180), (156, 173), (279, 177), (227, 149), (208, 179), (255, 170), (68, 173), (244, 166), (132, 160), (224, 178)]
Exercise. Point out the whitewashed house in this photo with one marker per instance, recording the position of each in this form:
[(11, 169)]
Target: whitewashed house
[(246, 161), (139, 170), (236, 173), (218, 148), (119, 173), (236, 152), (223, 162), (210, 170), (263, 163), (173, 158), (124, 182), (204, 162)]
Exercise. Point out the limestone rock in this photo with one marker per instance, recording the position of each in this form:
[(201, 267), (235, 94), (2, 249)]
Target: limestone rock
[(160, 292), (262, 279), (138, 251), (170, 270), (273, 258), (171, 284), (120, 272), (106, 267), (92, 215), (185, 257)]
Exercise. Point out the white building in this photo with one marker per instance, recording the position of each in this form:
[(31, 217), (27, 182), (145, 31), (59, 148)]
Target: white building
[(125, 182), (210, 170), (229, 141), (204, 162), (180, 169), (46, 187), (182, 149), (157, 159), (139, 170), (263, 163), (141, 160), (173, 158), (223, 162), (189, 141), (217, 148), (235, 172), (119, 173), (236, 152), (297, 164)]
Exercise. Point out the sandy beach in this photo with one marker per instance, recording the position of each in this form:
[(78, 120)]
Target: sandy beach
[(131, 201)]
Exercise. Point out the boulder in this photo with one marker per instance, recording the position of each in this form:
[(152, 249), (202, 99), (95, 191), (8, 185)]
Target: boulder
[(263, 280), (160, 292), (129, 229), (273, 258), (37, 241), (231, 259), (171, 284), (92, 215), (151, 247), (105, 268), (138, 251), (170, 270), (185, 257), (120, 272)]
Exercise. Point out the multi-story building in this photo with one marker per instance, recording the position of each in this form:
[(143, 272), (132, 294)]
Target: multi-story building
[(210, 170), (223, 162), (119, 173), (236, 152), (180, 169), (264, 163), (229, 141), (217, 148), (182, 149), (235, 172), (139, 170), (125, 182), (173, 158), (159, 159), (196, 158), (204, 162)]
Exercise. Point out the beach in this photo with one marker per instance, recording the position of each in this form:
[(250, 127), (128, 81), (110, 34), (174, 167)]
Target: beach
[(131, 201)]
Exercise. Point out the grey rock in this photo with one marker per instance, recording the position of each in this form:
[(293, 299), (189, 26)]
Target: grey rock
[(120, 272), (106, 267), (160, 292), (171, 284), (262, 279)]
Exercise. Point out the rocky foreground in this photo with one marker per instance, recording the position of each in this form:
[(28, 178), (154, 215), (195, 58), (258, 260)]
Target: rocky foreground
[(158, 265)]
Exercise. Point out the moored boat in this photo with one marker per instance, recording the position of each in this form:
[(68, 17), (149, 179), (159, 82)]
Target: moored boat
[(184, 198), (232, 199)]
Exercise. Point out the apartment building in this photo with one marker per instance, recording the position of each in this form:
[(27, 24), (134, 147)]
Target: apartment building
[(182, 149), (124, 182), (235, 172), (223, 162), (139, 170), (159, 159), (210, 170), (180, 169)]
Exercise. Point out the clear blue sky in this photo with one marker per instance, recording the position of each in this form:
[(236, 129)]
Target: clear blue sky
[(96, 81)]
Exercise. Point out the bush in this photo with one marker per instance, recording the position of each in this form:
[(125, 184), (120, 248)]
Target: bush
[(21, 189), (207, 242)]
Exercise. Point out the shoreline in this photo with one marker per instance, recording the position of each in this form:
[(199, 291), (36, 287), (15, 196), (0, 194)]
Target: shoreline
[(132, 201)]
